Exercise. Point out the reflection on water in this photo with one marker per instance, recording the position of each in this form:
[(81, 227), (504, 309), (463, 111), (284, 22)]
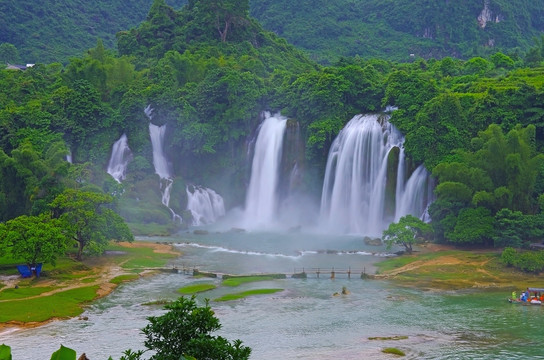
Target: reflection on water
[(305, 320)]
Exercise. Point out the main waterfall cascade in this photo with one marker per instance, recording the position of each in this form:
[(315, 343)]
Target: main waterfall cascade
[(262, 198), (120, 157), (205, 204), (354, 189)]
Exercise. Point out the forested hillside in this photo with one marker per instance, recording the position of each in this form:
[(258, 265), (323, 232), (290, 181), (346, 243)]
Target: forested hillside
[(327, 30), (53, 31), (394, 29), (206, 73)]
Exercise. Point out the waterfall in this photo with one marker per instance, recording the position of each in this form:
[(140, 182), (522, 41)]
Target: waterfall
[(354, 189), (262, 195), (415, 198), (205, 205), (160, 162), (120, 157), (162, 167)]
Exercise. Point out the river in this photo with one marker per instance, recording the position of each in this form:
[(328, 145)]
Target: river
[(305, 320)]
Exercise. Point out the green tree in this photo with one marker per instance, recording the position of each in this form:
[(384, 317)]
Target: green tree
[(9, 54), (29, 179), (35, 239), (407, 232), (184, 331), (473, 226), (440, 126), (89, 221), (508, 228)]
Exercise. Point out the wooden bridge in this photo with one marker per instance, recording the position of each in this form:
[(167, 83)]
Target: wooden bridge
[(298, 273), (330, 272)]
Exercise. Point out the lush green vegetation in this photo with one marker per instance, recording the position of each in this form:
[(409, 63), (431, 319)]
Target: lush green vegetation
[(529, 261), (207, 71), (326, 30), (243, 279), (124, 278), (455, 269), (62, 304), (185, 331), (394, 351), (243, 294), (53, 32), (196, 288), (394, 29), (407, 232), (51, 295)]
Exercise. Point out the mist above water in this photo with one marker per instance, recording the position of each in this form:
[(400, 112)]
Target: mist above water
[(368, 182)]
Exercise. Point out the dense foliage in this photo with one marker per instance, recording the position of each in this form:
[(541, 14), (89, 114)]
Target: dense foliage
[(396, 29), (34, 239), (207, 71), (326, 30), (528, 261), (185, 331), (45, 32), (87, 219)]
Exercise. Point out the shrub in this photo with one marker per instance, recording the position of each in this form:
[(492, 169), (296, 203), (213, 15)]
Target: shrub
[(509, 256)]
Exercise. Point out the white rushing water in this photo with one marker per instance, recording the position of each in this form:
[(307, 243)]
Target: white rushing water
[(160, 162), (162, 166), (205, 205), (354, 188), (120, 157), (262, 196)]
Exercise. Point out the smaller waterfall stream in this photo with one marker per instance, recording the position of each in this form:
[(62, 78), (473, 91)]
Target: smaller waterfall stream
[(120, 157), (205, 205), (262, 196), (160, 162)]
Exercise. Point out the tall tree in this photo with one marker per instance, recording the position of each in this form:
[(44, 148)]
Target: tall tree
[(35, 239), (89, 221), (407, 232)]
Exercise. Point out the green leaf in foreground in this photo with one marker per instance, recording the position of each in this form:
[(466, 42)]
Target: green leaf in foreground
[(244, 294), (196, 288), (5, 352), (64, 353)]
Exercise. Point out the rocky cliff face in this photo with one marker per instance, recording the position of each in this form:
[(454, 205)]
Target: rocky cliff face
[(487, 16)]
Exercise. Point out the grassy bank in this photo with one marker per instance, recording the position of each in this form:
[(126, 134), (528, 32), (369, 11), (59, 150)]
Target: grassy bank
[(453, 269), (63, 291)]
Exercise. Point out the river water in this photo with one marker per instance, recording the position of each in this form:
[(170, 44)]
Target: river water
[(305, 320)]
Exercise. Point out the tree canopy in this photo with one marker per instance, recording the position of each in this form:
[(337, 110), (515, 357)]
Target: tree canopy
[(34, 239), (408, 231), (87, 219), (185, 330)]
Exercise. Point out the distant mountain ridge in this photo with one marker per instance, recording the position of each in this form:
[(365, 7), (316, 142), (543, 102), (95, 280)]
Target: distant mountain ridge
[(394, 29), (327, 30), (53, 31)]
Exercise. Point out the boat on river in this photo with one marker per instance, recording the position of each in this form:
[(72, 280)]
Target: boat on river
[(531, 296)]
